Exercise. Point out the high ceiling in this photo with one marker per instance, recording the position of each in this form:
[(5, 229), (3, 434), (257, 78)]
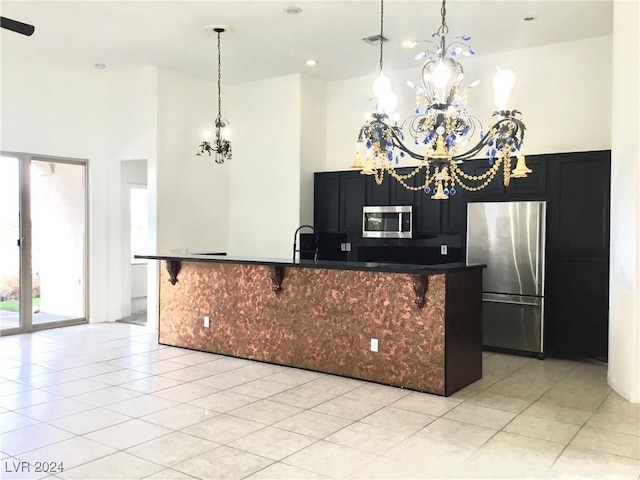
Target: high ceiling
[(266, 41)]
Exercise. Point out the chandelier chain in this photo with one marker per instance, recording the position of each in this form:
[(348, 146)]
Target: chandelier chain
[(219, 81), (444, 29), (381, 31)]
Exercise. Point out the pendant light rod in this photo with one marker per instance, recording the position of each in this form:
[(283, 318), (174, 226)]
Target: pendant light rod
[(381, 31)]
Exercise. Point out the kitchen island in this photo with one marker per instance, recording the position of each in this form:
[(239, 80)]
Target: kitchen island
[(328, 316)]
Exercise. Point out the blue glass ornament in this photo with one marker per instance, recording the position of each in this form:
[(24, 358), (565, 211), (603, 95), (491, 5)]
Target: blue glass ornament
[(466, 38), (446, 191), (369, 144), (427, 190), (452, 191), (472, 51), (402, 154)]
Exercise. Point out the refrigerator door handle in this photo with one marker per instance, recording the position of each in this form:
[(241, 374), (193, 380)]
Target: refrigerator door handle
[(541, 247), (524, 304)]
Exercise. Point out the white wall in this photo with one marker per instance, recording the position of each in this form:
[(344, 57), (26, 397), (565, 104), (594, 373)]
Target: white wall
[(624, 292), (264, 175), (74, 112), (192, 192), (563, 91), (313, 129)]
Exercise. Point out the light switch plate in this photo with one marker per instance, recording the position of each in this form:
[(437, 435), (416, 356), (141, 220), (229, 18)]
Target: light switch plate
[(443, 249)]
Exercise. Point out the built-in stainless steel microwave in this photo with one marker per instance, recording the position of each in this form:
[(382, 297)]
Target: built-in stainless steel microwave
[(387, 222)]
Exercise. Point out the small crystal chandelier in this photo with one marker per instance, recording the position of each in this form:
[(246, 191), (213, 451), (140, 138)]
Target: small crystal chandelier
[(221, 146), (441, 126)]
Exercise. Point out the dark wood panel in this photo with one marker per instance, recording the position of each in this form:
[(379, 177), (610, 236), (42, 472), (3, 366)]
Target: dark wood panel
[(478, 167), (454, 213), (578, 301), (427, 217), (377, 194), (352, 198), (398, 194), (463, 327), (326, 202), (535, 182), (582, 190)]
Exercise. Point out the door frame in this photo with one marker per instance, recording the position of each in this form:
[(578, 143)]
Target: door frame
[(25, 239)]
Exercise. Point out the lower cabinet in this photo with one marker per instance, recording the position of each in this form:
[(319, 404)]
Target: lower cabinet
[(577, 306)]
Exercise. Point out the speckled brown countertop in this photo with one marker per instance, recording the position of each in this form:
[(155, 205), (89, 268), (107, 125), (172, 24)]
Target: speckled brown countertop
[(323, 264)]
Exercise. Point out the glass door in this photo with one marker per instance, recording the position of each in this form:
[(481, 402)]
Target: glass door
[(43, 224), (58, 219), (10, 317)]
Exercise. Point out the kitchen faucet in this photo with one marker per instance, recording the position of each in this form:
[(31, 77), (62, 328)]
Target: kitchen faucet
[(295, 235)]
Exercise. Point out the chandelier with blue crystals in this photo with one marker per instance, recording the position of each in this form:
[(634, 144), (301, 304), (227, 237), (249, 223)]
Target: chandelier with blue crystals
[(439, 133)]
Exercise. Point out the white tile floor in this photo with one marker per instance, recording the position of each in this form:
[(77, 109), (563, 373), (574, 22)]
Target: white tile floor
[(108, 402)]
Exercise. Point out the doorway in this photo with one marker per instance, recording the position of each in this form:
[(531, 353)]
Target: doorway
[(43, 224), (135, 228)]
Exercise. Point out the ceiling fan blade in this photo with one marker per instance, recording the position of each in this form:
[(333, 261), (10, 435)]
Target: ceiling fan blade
[(15, 26)]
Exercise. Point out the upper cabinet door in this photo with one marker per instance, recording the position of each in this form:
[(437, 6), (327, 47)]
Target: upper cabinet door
[(580, 221), (352, 198), (454, 212), (326, 202), (427, 217), (398, 194), (535, 182), (478, 167), (377, 195)]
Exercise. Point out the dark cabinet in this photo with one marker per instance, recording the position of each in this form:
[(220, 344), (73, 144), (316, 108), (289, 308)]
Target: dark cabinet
[(390, 192), (352, 199), (576, 187), (326, 202), (535, 182), (581, 188), (478, 167), (454, 213), (428, 214), (578, 253), (375, 194), (578, 306), (398, 194)]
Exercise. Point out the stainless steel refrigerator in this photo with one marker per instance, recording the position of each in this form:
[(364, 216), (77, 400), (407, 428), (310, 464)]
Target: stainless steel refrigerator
[(509, 237)]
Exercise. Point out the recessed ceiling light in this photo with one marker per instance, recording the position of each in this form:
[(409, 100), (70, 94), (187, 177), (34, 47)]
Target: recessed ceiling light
[(530, 18), (311, 62), (100, 66), (293, 10)]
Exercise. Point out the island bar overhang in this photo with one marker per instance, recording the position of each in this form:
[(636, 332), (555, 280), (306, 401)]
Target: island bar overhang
[(322, 315)]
